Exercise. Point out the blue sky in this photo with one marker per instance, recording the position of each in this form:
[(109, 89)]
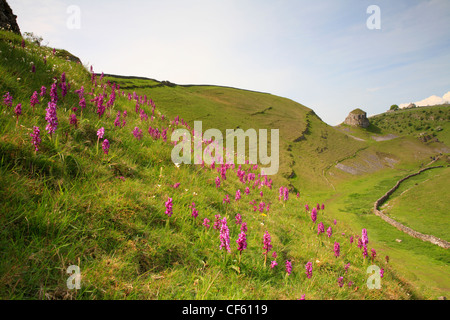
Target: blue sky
[(318, 53)]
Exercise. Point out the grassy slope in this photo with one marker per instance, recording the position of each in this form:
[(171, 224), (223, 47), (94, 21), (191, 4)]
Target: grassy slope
[(301, 163), (66, 206), (311, 161)]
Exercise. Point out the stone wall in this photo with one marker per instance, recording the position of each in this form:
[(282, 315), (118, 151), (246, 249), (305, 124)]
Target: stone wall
[(434, 240)]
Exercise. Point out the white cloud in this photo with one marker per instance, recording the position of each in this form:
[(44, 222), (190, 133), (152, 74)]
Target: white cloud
[(446, 97), (430, 101)]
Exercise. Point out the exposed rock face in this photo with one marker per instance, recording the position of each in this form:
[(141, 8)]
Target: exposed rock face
[(357, 118), (7, 18)]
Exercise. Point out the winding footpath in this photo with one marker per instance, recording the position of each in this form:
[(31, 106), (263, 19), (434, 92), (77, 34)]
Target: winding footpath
[(429, 238)]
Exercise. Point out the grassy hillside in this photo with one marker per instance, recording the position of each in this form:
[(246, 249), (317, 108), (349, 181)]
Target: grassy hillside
[(70, 203), (307, 145), (427, 123)]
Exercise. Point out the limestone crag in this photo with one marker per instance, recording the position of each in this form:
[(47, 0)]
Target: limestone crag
[(8, 20), (357, 118)]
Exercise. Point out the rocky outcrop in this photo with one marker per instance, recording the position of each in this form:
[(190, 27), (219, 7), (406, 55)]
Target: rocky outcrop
[(357, 118), (8, 20)]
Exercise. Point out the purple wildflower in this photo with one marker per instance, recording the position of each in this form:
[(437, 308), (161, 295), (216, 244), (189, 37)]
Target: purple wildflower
[(226, 199), (337, 249), (54, 93), (101, 133), (137, 133), (329, 232), (314, 215), (224, 235), (73, 120), (238, 195), (217, 222), (320, 228), (381, 272), (36, 138), (105, 146), (341, 281), (364, 238), (169, 207), (18, 111), (244, 227), (273, 264), (43, 91), (51, 118), (238, 219), (206, 223), (194, 210), (117, 121), (360, 243), (346, 267), (8, 99), (365, 254), (34, 99), (309, 270), (266, 243), (82, 103), (288, 267), (242, 242)]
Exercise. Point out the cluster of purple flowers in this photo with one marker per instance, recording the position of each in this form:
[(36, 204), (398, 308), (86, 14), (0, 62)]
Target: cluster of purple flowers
[(283, 194), (224, 235), (309, 270), (194, 210), (8, 99), (242, 242), (105, 146), (34, 99), (329, 232), (267, 246), (337, 249), (320, 228), (238, 195), (314, 214), (137, 133), (54, 93), (36, 138), (169, 207), (51, 118), (288, 267)]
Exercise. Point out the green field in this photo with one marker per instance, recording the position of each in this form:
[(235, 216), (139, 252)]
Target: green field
[(421, 203)]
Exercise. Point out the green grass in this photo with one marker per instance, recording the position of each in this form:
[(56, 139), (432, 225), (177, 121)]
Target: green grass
[(424, 264), (433, 121), (421, 203), (70, 204)]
